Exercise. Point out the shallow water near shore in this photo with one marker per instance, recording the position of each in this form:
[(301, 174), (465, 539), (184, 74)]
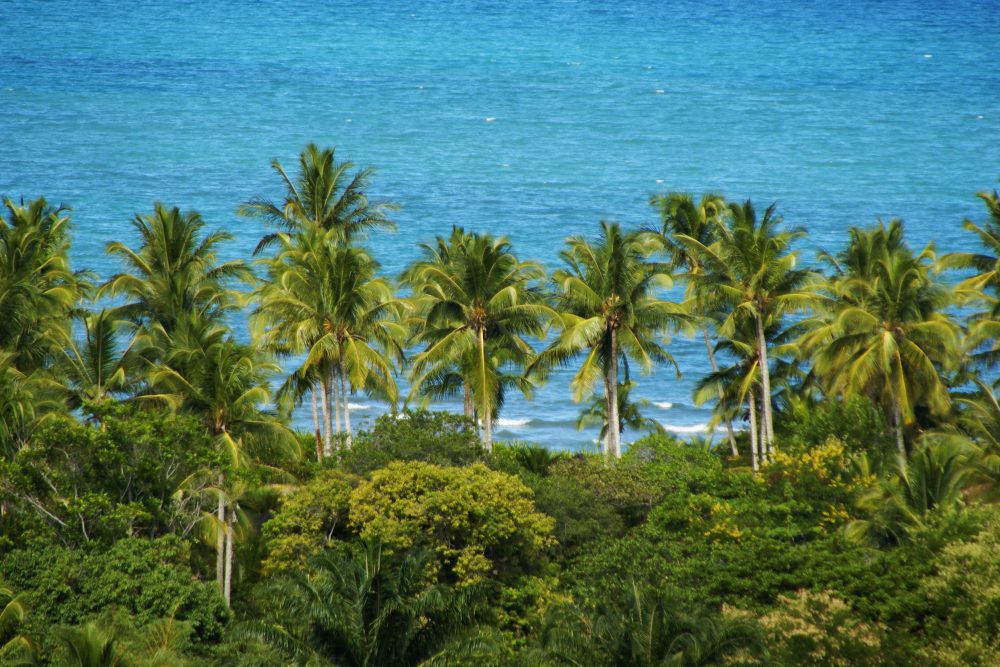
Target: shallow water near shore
[(533, 120)]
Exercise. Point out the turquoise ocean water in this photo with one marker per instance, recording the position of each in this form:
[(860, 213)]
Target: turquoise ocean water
[(525, 118)]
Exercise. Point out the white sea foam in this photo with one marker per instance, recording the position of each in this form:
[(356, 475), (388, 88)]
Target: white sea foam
[(660, 91), (359, 406), (659, 180), (512, 423), (928, 55), (490, 119), (666, 405), (684, 428)]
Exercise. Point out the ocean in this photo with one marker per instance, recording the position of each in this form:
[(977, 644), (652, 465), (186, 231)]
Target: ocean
[(529, 119)]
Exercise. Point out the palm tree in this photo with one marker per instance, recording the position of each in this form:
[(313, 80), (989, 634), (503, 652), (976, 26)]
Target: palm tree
[(38, 291), (629, 414), (174, 274), (756, 277), (327, 302), (362, 609), (984, 285), (98, 367), (208, 374), (682, 217), (90, 646), (885, 334), (608, 308), (325, 197), (25, 400), (14, 648), (475, 303)]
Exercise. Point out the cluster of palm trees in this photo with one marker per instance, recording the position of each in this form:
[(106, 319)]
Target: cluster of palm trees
[(478, 321)]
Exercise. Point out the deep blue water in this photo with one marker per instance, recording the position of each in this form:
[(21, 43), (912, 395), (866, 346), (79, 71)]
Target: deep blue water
[(530, 119)]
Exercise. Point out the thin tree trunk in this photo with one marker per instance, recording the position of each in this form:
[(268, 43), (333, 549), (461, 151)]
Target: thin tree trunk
[(467, 400), (897, 418), (347, 407), (613, 430), (484, 399), (327, 398), (765, 375), (334, 375), (715, 367), (227, 591), (319, 438), (220, 540), (753, 432)]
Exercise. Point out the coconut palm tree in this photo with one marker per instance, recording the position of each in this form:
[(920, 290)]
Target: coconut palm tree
[(175, 273), (756, 277), (885, 333), (984, 285), (629, 414), (208, 374), (38, 290), (363, 608), (98, 366), (475, 302), (325, 197), (609, 311), (326, 301), (681, 216), (25, 400)]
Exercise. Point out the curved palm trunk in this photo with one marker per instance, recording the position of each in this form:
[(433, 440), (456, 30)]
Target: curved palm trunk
[(754, 462), (767, 431), (484, 400), (319, 438), (614, 434), (347, 407), (715, 368), (228, 583)]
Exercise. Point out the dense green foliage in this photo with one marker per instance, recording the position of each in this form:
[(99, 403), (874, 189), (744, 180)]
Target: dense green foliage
[(157, 510)]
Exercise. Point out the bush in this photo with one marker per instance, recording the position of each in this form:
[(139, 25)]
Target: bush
[(145, 579), (477, 521), (441, 438)]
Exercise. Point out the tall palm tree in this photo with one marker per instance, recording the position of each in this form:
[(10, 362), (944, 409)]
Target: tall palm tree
[(681, 216), (885, 333), (757, 278), (609, 311), (175, 273), (984, 285), (38, 290), (475, 303), (327, 301), (325, 197), (208, 374), (25, 400)]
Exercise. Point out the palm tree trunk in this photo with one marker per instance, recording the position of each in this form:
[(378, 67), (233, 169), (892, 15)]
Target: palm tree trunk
[(754, 463), (228, 588), (897, 420), (327, 399), (467, 400), (334, 374), (319, 438), (613, 430), (484, 399), (715, 367), (347, 406), (765, 375), (220, 541)]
